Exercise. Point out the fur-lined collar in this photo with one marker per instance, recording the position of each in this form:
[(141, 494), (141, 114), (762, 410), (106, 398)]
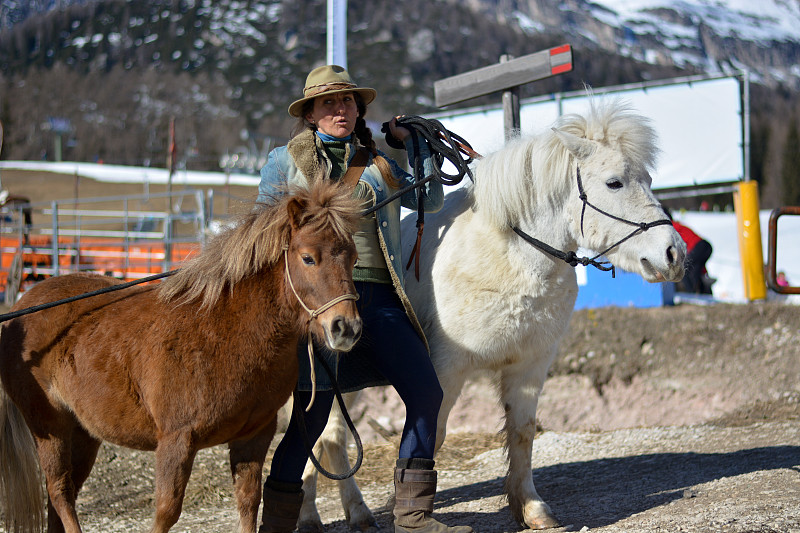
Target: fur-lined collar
[(308, 154)]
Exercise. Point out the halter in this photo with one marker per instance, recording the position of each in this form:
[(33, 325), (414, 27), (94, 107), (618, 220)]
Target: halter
[(312, 314), (570, 257)]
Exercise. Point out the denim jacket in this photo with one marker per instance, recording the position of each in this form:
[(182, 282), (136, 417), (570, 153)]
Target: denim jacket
[(304, 159)]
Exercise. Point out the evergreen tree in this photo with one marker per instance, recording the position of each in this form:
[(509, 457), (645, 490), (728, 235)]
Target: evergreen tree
[(790, 171)]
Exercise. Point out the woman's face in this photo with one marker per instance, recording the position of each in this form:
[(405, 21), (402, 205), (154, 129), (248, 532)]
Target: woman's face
[(334, 114)]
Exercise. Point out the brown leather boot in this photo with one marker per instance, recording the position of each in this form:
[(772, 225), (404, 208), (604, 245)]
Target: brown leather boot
[(415, 489), (282, 502)]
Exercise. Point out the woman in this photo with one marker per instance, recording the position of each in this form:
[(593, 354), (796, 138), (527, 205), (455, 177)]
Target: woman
[(331, 130), (698, 252)]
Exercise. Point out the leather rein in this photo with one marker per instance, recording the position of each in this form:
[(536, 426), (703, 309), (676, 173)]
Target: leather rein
[(298, 411)]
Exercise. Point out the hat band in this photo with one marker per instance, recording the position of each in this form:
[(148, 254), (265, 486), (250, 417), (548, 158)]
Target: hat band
[(314, 90)]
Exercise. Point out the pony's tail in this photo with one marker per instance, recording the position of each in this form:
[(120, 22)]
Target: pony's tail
[(20, 481)]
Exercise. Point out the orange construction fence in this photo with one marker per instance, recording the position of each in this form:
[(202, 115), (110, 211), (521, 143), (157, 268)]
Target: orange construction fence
[(110, 256)]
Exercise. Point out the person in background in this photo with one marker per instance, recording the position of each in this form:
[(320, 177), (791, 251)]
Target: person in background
[(330, 136), (698, 252)]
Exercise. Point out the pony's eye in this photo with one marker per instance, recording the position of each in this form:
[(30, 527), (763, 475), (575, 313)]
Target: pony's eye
[(614, 184), (308, 260)]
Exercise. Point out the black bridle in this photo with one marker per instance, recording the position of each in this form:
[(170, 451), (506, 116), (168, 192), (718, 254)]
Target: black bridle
[(570, 257)]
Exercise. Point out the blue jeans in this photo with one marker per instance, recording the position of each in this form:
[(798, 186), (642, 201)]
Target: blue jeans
[(390, 344)]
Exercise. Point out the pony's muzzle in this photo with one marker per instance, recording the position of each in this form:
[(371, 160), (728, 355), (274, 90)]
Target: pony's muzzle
[(676, 257), (669, 268), (342, 333)]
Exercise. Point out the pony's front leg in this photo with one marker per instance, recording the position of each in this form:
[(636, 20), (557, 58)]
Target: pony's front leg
[(247, 461), (520, 386), (309, 520), (452, 381), (175, 455)]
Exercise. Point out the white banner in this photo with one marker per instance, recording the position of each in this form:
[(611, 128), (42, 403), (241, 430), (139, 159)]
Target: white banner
[(699, 126)]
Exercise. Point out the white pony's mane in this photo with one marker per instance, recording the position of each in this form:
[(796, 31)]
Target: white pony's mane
[(506, 181)]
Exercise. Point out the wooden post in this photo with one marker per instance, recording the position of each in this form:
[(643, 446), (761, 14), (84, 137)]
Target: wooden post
[(511, 120)]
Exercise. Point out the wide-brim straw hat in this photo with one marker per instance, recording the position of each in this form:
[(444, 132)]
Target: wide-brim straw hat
[(329, 79)]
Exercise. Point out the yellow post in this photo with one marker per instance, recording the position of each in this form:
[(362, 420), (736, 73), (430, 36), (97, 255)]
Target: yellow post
[(745, 201)]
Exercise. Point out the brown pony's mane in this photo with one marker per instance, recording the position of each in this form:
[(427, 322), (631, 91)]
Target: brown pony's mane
[(256, 241)]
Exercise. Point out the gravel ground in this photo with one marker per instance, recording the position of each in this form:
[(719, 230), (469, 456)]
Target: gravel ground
[(705, 478), (658, 420)]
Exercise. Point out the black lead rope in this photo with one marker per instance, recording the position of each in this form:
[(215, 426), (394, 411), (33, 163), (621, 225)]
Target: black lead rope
[(571, 258), (443, 145), (42, 307), (301, 424)]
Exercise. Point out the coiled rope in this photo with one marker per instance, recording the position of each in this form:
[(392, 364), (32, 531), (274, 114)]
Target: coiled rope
[(444, 145)]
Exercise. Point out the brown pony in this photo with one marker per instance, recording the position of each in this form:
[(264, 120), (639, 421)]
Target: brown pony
[(204, 358)]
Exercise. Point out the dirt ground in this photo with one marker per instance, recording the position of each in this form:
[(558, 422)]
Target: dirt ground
[(654, 420), (683, 418)]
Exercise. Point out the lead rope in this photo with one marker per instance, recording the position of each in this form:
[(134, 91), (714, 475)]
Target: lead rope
[(298, 412), (312, 314), (443, 145), (104, 290)]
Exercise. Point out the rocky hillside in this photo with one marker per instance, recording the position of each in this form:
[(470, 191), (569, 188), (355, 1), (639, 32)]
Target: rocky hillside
[(105, 77)]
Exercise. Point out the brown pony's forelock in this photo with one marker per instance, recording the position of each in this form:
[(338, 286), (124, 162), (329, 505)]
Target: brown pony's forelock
[(256, 240)]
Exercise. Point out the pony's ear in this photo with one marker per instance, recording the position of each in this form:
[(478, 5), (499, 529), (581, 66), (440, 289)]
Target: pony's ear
[(580, 148), (297, 212)]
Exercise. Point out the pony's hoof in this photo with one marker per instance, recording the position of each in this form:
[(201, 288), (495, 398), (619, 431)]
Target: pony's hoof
[(540, 517), (542, 522), (310, 526), (361, 519)]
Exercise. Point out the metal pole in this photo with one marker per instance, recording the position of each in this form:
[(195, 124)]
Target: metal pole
[(127, 240), (750, 250), (54, 206), (746, 124), (210, 211), (337, 33), (201, 217), (168, 240)]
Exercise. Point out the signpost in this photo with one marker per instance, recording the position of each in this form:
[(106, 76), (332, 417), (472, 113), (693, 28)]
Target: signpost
[(505, 76), (59, 126)]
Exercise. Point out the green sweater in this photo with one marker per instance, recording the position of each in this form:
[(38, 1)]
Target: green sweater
[(371, 264)]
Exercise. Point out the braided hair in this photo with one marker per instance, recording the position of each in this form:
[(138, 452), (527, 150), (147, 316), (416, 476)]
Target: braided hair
[(361, 131)]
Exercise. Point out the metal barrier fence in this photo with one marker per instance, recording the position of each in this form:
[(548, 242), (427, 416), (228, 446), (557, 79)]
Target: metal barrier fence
[(772, 251), (128, 237)]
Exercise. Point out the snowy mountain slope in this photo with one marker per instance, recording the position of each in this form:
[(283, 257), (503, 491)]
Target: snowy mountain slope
[(762, 36), (763, 21)]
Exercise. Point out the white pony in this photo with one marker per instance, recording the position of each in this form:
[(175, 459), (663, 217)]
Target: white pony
[(487, 299)]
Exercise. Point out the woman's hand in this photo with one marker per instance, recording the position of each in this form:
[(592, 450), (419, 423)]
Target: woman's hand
[(400, 133)]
